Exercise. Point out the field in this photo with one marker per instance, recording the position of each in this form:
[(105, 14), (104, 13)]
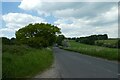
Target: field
[(107, 43), (24, 61), (112, 42), (98, 51)]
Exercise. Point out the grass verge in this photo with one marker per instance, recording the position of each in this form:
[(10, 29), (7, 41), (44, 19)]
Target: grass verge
[(103, 52), (23, 61)]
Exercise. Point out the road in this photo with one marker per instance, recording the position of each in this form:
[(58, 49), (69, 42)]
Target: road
[(75, 65)]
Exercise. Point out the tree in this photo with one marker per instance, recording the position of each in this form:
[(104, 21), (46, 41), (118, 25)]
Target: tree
[(13, 40), (38, 34), (60, 38), (5, 40)]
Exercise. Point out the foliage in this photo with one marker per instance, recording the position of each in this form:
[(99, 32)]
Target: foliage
[(38, 34), (15, 49), (60, 38), (73, 38), (107, 43), (13, 41), (23, 61), (5, 40), (98, 51), (89, 39)]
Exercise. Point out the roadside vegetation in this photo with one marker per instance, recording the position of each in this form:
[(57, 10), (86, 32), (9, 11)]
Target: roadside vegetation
[(30, 52), (98, 51), (24, 61)]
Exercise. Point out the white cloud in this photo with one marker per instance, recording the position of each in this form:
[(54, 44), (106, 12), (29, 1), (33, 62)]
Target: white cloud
[(18, 20), (111, 30), (84, 28), (14, 21), (67, 9), (75, 19), (7, 32), (66, 12), (28, 5), (1, 34), (67, 0), (105, 23), (77, 27), (108, 16)]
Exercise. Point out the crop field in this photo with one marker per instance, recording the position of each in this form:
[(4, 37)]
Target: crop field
[(98, 51)]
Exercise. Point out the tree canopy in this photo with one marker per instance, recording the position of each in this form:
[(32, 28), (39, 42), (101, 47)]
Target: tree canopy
[(91, 39), (60, 38), (38, 34)]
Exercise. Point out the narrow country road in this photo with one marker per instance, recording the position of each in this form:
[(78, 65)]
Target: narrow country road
[(75, 65)]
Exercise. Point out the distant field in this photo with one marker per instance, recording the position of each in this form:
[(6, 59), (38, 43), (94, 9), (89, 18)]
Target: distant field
[(23, 61), (107, 43), (98, 51)]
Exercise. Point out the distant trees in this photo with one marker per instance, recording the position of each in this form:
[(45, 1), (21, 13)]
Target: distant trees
[(60, 38), (13, 41), (5, 40), (38, 35), (8, 41), (89, 39)]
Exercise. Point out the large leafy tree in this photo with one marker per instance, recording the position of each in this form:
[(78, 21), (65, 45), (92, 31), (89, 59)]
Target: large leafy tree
[(38, 34)]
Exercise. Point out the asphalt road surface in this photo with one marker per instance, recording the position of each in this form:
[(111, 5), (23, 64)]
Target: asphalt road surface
[(75, 65)]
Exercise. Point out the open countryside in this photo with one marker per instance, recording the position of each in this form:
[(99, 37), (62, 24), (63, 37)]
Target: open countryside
[(58, 49)]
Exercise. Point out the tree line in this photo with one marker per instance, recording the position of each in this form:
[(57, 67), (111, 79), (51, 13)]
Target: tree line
[(8, 41), (94, 40), (90, 39)]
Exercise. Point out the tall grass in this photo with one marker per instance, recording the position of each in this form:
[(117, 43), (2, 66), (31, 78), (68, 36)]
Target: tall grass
[(107, 43), (112, 42), (23, 61), (103, 52)]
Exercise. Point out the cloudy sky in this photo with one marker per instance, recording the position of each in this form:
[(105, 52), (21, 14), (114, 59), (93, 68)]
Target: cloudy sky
[(75, 19)]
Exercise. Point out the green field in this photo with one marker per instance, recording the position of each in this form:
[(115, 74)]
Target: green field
[(98, 51), (112, 42), (107, 43), (23, 61)]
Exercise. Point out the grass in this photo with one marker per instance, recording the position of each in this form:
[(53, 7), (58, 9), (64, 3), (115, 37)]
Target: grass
[(23, 61), (109, 42), (112, 42), (98, 51)]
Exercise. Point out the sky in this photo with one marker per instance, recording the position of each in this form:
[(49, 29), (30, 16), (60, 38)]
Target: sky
[(76, 19)]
